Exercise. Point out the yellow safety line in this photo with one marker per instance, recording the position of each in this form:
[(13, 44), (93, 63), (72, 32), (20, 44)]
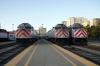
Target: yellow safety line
[(26, 64), (80, 59), (65, 57), (14, 61)]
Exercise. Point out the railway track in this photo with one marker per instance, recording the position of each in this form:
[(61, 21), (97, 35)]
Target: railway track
[(84, 52), (93, 47), (7, 44), (10, 52)]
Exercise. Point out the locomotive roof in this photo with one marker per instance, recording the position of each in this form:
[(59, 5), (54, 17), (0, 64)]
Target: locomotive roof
[(77, 25), (3, 30), (60, 25), (24, 25)]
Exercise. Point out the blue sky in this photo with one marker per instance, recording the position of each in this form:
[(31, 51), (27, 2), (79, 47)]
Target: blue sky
[(46, 12)]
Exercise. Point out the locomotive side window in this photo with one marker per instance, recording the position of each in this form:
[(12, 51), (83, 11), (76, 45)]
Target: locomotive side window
[(57, 28), (20, 27), (11, 35)]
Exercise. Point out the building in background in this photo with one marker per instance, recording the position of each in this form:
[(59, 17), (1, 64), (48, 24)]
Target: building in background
[(41, 27), (41, 31), (87, 23), (37, 31), (64, 22), (79, 20), (95, 21)]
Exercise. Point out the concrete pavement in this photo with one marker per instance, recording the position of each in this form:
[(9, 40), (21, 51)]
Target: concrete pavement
[(44, 53)]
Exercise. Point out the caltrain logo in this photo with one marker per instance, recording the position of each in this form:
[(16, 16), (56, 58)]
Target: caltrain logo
[(80, 33), (23, 33), (62, 33)]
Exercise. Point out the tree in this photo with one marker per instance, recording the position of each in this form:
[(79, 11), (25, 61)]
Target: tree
[(98, 22), (88, 28), (92, 27), (96, 31)]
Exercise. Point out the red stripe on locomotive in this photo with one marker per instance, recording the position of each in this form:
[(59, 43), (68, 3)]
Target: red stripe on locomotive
[(22, 34), (60, 33), (19, 33), (80, 32)]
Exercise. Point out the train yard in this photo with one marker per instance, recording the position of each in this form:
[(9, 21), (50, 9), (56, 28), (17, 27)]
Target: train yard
[(7, 54), (61, 46)]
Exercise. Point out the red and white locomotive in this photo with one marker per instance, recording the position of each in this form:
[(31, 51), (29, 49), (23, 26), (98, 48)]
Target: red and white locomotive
[(59, 33), (78, 34), (25, 32)]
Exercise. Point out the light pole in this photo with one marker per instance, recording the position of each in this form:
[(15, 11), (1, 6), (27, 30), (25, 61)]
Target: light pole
[(42, 30), (12, 27), (39, 32), (42, 25)]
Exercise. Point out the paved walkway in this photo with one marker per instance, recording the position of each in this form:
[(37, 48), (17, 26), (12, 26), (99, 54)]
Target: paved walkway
[(44, 53)]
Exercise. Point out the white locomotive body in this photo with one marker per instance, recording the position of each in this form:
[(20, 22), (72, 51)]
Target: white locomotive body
[(78, 34), (59, 33), (25, 32), (35, 35)]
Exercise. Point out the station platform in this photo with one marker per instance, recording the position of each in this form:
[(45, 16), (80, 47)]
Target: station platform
[(44, 53)]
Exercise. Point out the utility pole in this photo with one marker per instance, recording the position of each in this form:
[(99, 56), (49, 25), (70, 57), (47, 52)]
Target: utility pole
[(42, 25), (39, 32), (42, 30)]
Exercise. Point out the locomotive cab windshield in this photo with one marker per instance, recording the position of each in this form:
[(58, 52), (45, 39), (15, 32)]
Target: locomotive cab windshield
[(24, 26), (57, 28), (60, 26), (75, 27), (28, 27)]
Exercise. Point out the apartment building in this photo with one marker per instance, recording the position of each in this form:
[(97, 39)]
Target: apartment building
[(95, 21), (79, 20)]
